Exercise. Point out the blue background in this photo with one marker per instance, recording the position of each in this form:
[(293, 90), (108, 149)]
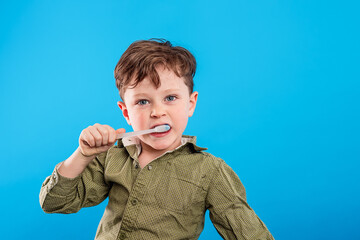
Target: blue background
[(279, 90)]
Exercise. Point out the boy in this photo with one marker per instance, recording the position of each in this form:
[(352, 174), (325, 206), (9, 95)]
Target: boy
[(160, 184)]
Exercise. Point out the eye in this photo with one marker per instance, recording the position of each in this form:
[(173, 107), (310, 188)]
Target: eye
[(170, 98), (142, 102)]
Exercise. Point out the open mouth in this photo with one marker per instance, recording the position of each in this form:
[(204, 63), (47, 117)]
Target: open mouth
[(161, 134)]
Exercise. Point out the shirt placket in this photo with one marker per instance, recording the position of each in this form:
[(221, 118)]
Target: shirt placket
[(134, 202)]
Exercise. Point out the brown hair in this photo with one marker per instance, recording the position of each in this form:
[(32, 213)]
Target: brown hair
[(142, 57)]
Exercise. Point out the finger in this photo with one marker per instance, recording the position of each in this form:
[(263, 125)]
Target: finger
[(112, 135), (104, 131), (119, 131), (87, 138), (96, 135)]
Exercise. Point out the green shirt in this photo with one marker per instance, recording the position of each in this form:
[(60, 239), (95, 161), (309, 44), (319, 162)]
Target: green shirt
[(167, 199)]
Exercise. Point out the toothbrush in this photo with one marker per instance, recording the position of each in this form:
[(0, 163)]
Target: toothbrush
[(157, 129)]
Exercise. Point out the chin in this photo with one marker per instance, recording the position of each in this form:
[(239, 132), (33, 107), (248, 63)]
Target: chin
[(160, 147), (166, 143), (162, 144)]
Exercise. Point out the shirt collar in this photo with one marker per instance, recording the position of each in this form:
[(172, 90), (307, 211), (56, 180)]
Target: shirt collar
[(133, 146)]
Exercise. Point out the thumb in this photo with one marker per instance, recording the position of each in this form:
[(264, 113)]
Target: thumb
[(120, 130)]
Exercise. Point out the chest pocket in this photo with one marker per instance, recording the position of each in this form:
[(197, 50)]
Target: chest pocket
[(180, 189)]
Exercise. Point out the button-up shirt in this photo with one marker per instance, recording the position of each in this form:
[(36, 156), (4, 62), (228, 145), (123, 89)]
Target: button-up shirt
[(167, 199)]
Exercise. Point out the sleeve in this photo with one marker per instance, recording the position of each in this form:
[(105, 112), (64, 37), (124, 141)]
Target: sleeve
[(59, 194), (229, 212)]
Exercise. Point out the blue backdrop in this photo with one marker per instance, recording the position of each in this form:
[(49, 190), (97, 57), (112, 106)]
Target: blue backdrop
[(278, 84)]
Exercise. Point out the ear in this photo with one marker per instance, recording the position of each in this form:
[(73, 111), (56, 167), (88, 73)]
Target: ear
[(124, 110), (192, 105)]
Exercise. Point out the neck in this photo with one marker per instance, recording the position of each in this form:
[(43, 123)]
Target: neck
[(146, 157), (148, 154)]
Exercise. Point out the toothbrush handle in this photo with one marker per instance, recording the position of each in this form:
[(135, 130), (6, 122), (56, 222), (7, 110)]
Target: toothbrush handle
[(136, 133)]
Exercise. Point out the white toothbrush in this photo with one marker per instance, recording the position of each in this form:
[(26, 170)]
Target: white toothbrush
[(157, 129)]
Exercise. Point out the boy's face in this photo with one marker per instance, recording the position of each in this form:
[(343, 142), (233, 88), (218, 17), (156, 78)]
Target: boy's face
[(146, 106)]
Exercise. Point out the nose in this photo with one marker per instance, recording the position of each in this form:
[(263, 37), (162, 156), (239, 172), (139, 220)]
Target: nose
[(157, 111)]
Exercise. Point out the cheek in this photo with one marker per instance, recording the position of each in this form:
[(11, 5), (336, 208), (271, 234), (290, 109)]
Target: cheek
[(137, 118), (181, 118)]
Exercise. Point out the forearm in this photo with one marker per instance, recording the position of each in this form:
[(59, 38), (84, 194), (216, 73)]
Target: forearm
[(79, 180), (69, 193), (59, 194), (75, 164)]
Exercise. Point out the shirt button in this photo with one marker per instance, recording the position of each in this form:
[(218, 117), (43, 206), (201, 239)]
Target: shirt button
[(136, 166), (149, 167), (134, 202), (122, 236)]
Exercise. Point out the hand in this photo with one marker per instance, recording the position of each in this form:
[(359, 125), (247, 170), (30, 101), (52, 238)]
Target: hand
[(96, 139)]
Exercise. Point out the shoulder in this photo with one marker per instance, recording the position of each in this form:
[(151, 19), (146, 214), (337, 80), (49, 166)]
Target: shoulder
[(218, 167), (116, 153), (199, 153), (204, 161), (211, 160)]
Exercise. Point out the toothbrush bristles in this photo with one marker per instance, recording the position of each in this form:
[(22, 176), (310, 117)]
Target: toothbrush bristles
[(162, 128)]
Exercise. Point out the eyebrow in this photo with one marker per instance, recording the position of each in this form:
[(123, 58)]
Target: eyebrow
[(171, 90), (165, 91)]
